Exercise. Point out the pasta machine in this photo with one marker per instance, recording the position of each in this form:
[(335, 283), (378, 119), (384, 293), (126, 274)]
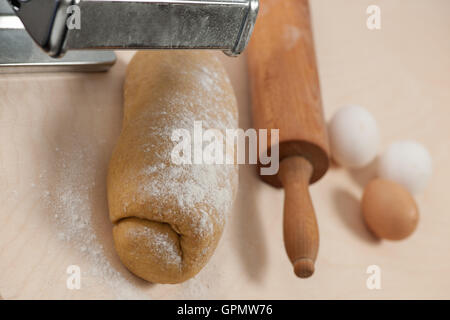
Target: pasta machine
[(80, 35)]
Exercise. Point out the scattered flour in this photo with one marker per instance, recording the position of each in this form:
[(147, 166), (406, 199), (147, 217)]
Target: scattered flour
[(291, 34), (160, 243), (71, 203)]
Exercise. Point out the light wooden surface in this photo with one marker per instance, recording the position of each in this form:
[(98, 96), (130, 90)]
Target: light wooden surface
[(57, 131)]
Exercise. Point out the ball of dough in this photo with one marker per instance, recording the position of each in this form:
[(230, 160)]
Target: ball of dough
[(168, 217), (354, 137), (389, 210), (407, 163)]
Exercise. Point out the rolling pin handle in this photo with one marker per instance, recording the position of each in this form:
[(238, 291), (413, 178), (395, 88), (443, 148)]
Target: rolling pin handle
[(301, 234)]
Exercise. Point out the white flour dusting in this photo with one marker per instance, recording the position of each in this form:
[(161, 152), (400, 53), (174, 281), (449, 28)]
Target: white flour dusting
[(291, 34), (160, 243), (71, 203)]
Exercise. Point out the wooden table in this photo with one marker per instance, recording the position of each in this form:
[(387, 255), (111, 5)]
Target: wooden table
[(57, 132)]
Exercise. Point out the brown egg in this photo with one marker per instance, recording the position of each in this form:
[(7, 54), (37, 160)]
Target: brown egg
[(389, 210)]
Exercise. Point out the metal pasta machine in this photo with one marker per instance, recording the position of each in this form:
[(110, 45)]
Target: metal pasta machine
[(79, 35)]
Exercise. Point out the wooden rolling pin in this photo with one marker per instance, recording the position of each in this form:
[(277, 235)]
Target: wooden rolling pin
[(286, 96)]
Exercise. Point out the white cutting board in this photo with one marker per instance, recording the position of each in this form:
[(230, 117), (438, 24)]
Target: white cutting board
[(57, 132)]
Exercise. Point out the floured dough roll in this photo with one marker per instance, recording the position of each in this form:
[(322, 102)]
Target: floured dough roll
[(168, 218)]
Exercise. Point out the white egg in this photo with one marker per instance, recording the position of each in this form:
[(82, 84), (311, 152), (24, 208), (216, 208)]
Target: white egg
[(354, 137), (407, 163)]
